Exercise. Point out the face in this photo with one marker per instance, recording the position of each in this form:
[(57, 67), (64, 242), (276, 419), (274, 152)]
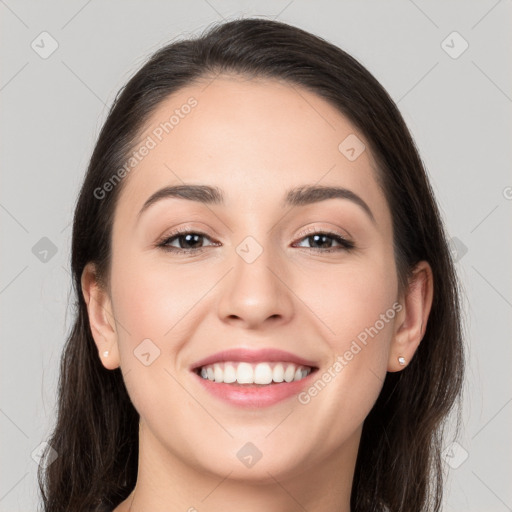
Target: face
[(265, 283)]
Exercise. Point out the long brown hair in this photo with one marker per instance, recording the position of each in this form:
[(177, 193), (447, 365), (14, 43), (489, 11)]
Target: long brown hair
[(399, 467)]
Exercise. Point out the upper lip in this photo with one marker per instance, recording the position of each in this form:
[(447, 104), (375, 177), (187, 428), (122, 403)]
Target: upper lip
[(252, 356)]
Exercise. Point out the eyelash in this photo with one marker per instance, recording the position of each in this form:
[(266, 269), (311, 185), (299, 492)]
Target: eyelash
[(346, 245)]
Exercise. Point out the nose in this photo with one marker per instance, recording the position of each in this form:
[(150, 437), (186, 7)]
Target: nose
[(256, 293)]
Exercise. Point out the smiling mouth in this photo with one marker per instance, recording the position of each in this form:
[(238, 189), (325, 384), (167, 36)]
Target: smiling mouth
[(259, 374)]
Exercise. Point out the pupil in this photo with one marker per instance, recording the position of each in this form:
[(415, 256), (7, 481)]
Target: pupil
[(189, 237), (317, 237)]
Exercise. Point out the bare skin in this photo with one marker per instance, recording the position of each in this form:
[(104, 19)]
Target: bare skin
[(253, 139)]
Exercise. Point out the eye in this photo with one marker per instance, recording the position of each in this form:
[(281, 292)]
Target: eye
[(191, 242), (325, 241), (187, 241)]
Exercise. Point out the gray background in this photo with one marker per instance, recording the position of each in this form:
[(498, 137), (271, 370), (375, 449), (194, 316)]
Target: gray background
[(458, 110)]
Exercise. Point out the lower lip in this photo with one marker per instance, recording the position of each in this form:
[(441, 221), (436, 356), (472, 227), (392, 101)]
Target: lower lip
[(255, 395)]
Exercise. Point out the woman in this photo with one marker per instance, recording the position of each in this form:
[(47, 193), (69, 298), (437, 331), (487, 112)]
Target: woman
[(267, 311)]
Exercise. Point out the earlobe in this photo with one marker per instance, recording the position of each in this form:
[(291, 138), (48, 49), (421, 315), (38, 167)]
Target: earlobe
[(101, 318), (412, 321)]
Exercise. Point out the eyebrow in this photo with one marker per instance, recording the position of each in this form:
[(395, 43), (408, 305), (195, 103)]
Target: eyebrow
[(297, 196)]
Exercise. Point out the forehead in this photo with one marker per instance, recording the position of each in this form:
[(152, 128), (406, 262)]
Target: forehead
[(254, 138)]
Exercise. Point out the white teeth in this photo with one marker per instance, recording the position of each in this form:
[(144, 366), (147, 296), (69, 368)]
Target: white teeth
[(278, 373), (263, 374), (218, 373), (244, 374), (289, 373), (257, 373), (229, 373)]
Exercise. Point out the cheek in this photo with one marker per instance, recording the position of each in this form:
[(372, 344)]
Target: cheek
[(151, 299), (151, 313), (351, 298), (344, 392), (358, 323)]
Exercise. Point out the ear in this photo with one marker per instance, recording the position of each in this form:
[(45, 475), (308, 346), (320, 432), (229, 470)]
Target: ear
[(411, 321), (101, 318)]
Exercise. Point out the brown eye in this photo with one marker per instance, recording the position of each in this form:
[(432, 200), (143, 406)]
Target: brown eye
[(325, 242), (187, 241), (183, 241)]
